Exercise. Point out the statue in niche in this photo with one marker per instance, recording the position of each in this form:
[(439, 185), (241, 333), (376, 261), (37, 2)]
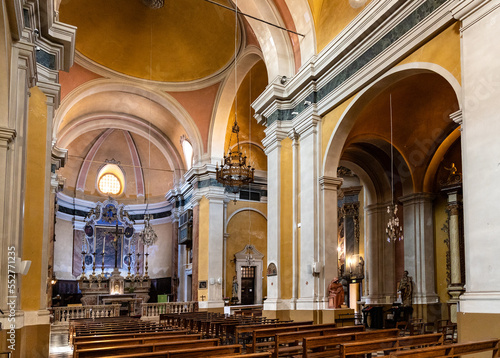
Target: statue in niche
[(335, 294), (405, 287), (235, 287)]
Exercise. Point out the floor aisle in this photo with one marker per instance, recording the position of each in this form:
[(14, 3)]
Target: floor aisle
[(59, 344)]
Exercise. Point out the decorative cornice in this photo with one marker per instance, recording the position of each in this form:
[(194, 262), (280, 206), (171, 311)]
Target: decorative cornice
[(330, 183), (401, 26), (457, 117), (59, 157), (416, 198), (7, 134), (275, 133), (472, 11)]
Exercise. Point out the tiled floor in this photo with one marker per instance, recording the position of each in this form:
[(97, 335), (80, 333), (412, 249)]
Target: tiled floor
[(59, 344)]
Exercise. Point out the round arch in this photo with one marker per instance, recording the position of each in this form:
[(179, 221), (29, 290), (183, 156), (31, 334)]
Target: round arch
[(216, 137), (129, 123), (245, 209), (348, 118), (162, 99)]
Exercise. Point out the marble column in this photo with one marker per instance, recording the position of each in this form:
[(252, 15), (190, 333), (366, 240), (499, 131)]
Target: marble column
[(309, 212), (418, 226), (275, 133), (375, 257), (328, 239)]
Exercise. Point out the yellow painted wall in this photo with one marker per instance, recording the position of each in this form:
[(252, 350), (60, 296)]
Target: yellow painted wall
[(286, 267), (330, 18), (203, 246), (443, 50), (246, 227), (329, 122), (478, 326), (34, 200)]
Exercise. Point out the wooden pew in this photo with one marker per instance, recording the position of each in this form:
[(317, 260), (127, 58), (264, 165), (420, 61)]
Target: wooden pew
[(219, 351), (291, 342), (326, 346), (267, 334), (145, 339), (145, 348), (391, 344), (452, 350), (242, 330), (101, 337)]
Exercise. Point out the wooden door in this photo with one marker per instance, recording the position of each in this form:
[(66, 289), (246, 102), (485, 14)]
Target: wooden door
[(247, 285)]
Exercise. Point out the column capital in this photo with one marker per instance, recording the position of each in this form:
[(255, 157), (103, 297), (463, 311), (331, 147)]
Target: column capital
[(307, 125), (7, 135), (416, 197), (59, 157), (472, 11), (457, 117), (275, 133), (330, 183)]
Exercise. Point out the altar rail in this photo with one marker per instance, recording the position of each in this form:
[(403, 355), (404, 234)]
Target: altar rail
[(62, 315), (155, 309)]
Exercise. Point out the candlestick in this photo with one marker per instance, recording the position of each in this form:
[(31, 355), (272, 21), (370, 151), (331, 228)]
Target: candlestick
[(129, 263), (83, 265), (146, 266), (137, 270), (102, 266), (93, 265)]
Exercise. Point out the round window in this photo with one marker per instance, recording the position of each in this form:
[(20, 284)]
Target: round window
[(110, 184)]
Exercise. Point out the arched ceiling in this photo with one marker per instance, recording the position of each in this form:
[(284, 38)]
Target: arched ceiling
[(421, 105), (141, 162), (183, 41)]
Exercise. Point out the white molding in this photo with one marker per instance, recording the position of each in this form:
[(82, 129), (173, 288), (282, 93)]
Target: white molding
[(7, 135), (480, 302), (471, 12)]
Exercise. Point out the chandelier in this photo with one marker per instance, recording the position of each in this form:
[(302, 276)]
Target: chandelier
[(153, 4), (234, 171), (148, 235), (393, 230)]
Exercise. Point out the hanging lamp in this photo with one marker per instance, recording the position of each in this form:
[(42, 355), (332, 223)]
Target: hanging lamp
[(234, 172), (393, 230)]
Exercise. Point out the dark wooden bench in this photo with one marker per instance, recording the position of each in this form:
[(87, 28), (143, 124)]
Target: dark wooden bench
[(452, 350), (219, 351), (263, 338), (392, 344), (241, 331), (145, 339), (291, 342), (77, 340), (326, 346), (145, 348)]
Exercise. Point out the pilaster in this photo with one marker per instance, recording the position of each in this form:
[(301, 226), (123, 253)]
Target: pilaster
[(480, 91), (275, 133), (376, 248), (329, 187), (309, 212), (419, 246)]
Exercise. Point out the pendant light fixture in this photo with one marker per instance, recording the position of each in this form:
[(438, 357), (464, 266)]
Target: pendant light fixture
[(234, 172), (393, 230)]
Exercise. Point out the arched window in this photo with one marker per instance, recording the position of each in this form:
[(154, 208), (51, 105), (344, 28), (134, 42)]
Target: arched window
[(111, 180), (187, 148)]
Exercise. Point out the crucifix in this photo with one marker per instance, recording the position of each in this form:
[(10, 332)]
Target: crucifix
[(116, 235)]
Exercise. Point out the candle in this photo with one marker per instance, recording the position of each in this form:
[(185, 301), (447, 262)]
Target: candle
[(103, 243)]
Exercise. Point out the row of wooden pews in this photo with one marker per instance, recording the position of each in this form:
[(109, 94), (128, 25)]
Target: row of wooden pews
[(194, 335)]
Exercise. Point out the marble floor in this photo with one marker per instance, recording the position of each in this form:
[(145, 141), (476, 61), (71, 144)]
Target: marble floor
[(59, 343)]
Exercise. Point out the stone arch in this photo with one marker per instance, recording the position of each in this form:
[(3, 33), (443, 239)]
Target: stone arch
[(347, 120), (162, 99)]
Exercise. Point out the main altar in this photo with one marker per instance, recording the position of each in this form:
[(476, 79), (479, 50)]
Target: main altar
[(112, 241)]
